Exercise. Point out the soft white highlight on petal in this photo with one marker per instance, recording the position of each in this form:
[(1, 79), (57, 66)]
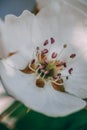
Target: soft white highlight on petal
[(68, 25), (78, 4), (20, 59), (60, 24), (1, 88), (77, 82), (45, 100), (16, 32)]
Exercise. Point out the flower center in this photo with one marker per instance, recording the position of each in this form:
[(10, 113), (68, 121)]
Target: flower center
[(48, 67)]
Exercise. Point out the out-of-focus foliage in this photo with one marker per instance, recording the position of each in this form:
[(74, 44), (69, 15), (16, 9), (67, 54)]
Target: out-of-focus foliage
[(37, 121)]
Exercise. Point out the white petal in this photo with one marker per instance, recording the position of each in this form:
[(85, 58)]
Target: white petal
[(62, 23), (2, 90), (5, 101), (19, 60), (2, 53), (77, 82), (67, 25), (16, 32), (42, 3), (45, 100), (79, 4)]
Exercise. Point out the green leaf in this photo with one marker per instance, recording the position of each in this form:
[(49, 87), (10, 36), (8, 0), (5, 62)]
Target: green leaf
[(37, 121), (3, 127)]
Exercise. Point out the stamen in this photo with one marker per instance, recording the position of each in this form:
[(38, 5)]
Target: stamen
[(12, 53), (64, 64), (59, 75), (60, 64), (45, 73), (31, 67), (39, 75), (37, 48), (65, 45), (40, 83), (52, 40), (70, 70), (67, 77), (72, 56), (57, 83), (59, 86), (46, 43), (33, 61), (44, 51), (55, 77), (49, 70), (41, 67), (54, 55), (46, 61)]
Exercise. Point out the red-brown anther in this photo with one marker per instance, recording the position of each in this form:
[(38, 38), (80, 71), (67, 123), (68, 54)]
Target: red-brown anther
[(33, 61), (52, 40), (70, 70), (65, 45), (44, 51), (55, 77), (40, 83), (60, 64), (41, 67), (67, 77), (64, 64), (54, 55), (59, 75), (72, 55), (46, 61), (47, 72), (37, 48), (45, 43)]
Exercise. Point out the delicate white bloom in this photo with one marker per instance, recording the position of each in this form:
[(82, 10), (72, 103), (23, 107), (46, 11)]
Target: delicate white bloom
[(79, 4), (49, 74)]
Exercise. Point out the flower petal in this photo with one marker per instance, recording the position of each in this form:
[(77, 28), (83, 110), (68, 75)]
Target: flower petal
[(45, 100), (67, 25), (62, 22), (79, 4), (16, 32), (19, 60), (5, 101), (77, 82)]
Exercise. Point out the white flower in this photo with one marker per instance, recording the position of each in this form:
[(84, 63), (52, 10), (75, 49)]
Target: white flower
[(49, 74), (79, 4)]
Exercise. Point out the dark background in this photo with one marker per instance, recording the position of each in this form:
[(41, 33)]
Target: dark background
[(15, 6)]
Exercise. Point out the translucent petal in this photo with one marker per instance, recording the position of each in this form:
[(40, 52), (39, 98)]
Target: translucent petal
[(5, 101), (77, 82), (45, 100), (67, 25), (16, 32), (19, 60)]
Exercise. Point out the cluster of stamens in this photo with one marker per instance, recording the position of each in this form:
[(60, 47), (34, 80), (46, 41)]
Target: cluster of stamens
[(48, 70)]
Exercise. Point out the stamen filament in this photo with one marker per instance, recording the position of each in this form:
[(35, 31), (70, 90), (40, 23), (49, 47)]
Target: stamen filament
[(57, 83), (31, 67)]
